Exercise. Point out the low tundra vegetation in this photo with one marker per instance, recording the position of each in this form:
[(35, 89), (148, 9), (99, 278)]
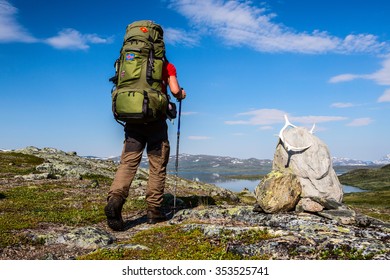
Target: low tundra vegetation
[(175, 243)]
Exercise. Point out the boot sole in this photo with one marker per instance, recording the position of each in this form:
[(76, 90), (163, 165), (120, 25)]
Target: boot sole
[(113, 221)]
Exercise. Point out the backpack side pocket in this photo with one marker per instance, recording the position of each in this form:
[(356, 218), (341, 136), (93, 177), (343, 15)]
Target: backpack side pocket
[(129, 105)]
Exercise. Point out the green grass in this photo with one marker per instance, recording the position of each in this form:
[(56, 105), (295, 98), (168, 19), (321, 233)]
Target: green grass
[(376, 201), (373, 204), (28, 206), (174, 243), (25, 207), (246, 198), (98, 178), (12, 164), (344, 253), (377, 179)]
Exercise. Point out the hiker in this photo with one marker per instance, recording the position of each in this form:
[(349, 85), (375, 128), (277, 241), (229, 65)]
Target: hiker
[(154, 136)]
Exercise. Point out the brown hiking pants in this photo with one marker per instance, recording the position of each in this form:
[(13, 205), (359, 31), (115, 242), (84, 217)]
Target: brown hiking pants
[(153, 136)]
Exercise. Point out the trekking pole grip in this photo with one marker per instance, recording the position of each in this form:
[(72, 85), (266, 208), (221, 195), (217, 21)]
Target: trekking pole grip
[(181, 95)]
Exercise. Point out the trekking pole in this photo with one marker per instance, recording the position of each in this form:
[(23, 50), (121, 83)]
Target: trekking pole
[(177, 158)]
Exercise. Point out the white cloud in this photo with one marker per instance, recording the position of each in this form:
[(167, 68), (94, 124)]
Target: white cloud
[(385, 97), (342, 105), (189, 113), (10, 29), (360, 122), (180, 37), (199, 137), (381, 77), (363, 43), (317, 119), (261, 117), (241, 23), (267, 117), (266, 127), (343, 78), (72, 39)]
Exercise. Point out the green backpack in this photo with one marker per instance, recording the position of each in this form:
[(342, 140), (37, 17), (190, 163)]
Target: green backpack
[(137, 95)]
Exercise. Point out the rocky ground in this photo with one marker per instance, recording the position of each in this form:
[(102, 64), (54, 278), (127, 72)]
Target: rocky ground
[(62, 218)]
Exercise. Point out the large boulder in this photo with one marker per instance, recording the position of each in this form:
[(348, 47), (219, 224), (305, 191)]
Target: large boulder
[(313, 166), (304, 155), (278, 192)]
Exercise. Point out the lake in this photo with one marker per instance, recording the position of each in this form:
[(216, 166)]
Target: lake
[(239, 185), (220, 178)]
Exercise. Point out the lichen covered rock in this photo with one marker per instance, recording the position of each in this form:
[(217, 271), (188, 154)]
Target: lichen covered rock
[(292, 235), (278, 192), (83, 237)]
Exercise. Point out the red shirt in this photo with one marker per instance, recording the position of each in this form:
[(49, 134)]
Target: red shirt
[(168, 70)]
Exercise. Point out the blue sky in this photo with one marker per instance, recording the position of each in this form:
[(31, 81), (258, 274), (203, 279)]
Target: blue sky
[(244, 64)]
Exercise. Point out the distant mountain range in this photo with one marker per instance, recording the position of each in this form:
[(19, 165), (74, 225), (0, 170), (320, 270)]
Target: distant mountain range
[(214, 169), (217, 162), (207, 161), (384, 160), (354, 162)]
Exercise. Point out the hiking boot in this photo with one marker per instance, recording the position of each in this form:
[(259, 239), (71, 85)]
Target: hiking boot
[(155, 215), (113, 211)]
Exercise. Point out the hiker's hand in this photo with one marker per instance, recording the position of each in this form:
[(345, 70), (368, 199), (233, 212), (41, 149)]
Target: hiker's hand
[(182, 94)]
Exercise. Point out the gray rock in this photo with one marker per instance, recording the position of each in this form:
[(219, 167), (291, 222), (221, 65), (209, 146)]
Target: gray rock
[(293, 235), (126, 247), (69, 165), (304, 166), (345, 216), (313, 166), (328, 204), (32, 177), (308, 205), (362, 221), (86, 238)]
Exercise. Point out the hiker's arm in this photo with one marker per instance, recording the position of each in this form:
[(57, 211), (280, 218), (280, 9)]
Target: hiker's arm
[(175, 88)]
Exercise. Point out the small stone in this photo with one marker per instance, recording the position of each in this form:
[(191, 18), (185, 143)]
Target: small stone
[(94, 184), (308, 205), (345, 217), (257, 209), (362, 221), (328, 203)]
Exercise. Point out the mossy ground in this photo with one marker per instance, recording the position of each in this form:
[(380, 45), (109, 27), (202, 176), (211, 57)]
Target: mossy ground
[(174, 243), (12, 164), (376, 179), (27, 205), (343, 253), (373, 204)]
